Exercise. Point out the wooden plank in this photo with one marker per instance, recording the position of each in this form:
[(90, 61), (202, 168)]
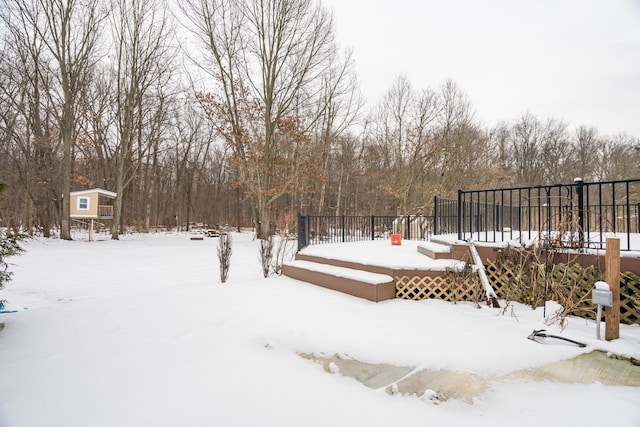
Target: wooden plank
[(371, 291), (612, 270)]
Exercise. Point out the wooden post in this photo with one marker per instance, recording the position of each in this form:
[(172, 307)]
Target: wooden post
[(612, 270)]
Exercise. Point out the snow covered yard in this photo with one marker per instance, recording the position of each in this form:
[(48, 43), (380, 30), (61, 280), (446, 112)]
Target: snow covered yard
[(139, 332)]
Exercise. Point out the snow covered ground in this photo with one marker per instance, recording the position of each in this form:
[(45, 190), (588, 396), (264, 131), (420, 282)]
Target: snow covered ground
[(140, 332)]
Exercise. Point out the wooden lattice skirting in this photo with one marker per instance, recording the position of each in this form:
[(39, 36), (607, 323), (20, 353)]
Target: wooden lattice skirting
[(570, 286), (444, 287)]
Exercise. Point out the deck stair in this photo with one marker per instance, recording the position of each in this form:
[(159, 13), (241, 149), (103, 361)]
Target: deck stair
[(364, 279), (361, 283), (435, 250)]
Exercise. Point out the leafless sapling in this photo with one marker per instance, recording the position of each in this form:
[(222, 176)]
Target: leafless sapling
[(266, 254), (225, 243)]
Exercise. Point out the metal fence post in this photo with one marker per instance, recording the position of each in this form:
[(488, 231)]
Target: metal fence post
[(373, 227), (436, 212), (460, 213), (479, 218), (628, 203), (303, 231), (299, 231), (580, 190), (344, 239)]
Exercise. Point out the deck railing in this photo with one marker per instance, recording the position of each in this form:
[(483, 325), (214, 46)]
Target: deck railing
[(579, 215), (316, 229), (105, 211)]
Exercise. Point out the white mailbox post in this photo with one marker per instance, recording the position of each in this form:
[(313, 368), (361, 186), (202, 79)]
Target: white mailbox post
[(602, 296)]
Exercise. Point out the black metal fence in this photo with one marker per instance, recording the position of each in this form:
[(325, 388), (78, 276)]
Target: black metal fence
[(578, 215), (315, 229)]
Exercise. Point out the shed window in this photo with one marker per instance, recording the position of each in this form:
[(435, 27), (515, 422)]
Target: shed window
[(83, 203)]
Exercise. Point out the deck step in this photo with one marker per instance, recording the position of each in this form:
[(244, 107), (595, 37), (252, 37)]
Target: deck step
[(434, 250), (364, 284), (459, 250)]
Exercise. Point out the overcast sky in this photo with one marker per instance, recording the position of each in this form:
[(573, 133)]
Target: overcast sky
[(576, 60)]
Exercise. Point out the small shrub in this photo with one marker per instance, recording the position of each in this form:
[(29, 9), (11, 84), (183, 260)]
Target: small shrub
[(225, 243), (464, 285), (9, 246), (284, 251), (532, 276), (266, 255)]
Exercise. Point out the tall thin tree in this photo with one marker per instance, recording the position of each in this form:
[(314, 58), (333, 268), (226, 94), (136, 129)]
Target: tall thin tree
[(140, 30)]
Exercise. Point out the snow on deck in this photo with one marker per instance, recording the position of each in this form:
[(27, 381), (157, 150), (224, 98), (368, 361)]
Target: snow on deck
[(345, 273), (434, 247), (381, 253), (527, 238)]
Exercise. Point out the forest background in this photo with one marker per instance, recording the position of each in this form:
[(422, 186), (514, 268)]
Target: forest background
[(241, 114)]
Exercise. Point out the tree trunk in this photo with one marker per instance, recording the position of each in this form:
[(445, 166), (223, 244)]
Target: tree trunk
[(66, 133), (117, 204), (263, 221)]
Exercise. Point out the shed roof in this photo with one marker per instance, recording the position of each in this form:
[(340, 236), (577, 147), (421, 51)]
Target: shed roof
[(100, 191)]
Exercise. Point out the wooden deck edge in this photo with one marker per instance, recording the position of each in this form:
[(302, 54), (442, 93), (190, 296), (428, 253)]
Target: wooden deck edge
[(434, 254), (372, 292), (347, 264), (342, 272), (370, 268)]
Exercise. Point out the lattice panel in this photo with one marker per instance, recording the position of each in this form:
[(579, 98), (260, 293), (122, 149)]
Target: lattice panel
[(630, 298), (446, 287), (570, 284), (419, 288), (465, 287)]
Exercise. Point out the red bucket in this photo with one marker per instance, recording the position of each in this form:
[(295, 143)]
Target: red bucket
[(396, 239)]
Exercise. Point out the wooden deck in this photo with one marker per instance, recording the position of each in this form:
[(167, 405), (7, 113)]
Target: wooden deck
[(371, 270), (413, 270)]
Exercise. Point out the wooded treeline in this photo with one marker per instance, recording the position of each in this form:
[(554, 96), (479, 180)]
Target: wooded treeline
[(243, 113)]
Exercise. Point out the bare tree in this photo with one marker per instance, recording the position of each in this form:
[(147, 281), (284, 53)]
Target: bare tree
[(462, 144), (192, 152), (500, 154), (525, 144), (266, 57), (95, 151), (67, 32), (404, 130), (618, 158), (583, 148), (339, 107), (555, 152), (140, 31), (16, 134)]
